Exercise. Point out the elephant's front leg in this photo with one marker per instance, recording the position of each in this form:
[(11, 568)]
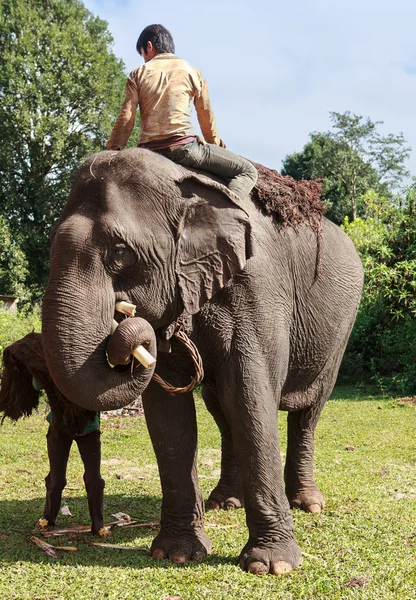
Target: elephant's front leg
[(301, 489), (251, 409), (172, 426)]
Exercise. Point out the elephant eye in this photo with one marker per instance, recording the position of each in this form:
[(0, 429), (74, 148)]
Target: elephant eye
[(119, 251), (121, 256)]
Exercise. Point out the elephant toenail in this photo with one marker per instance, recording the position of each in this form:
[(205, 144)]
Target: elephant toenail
[(281, 567), (199, 556), (313, 508), (158, 554), (257, 568), (178, 559)]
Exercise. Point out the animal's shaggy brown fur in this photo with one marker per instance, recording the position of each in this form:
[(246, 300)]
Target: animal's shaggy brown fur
[(22, 361), (291, 202)]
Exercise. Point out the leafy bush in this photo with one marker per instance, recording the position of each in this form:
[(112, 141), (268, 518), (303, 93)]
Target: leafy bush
[(383, 342)]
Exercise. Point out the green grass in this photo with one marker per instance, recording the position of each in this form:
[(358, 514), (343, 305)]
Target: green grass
[(368, 529)]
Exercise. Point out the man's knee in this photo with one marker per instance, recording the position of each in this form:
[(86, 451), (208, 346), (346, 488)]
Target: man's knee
[(251, 171)]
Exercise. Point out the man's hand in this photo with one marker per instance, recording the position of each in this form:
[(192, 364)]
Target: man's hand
[(222, 145)]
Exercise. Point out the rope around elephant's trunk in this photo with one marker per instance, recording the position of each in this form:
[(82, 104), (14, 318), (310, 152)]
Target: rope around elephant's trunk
[(197, 360)]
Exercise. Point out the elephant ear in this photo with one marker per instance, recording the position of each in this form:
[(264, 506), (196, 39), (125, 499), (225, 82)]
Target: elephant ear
[(214, 240)]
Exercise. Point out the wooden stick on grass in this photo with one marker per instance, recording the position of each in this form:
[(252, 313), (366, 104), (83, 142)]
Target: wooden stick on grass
[(116, 547), (55, 532), (149, 525), (51, 550), (83, 528), (47, 548)]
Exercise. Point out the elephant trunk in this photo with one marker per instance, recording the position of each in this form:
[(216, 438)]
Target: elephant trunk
[(75, 345), (128, 336)]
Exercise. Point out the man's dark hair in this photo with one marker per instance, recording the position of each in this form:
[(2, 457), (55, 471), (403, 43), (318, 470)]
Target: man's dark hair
[(159, 36)]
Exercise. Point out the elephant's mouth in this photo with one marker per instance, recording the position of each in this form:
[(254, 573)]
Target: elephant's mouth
[(128, 339), (122, 347)]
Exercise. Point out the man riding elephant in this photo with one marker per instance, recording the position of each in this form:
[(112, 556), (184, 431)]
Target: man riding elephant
[(164, 88)]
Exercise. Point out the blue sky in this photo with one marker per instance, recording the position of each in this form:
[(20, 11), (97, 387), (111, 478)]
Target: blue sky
[(275, 69)]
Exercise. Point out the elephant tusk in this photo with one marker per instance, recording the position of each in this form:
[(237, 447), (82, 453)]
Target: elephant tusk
[(126, 308), (143, 356)]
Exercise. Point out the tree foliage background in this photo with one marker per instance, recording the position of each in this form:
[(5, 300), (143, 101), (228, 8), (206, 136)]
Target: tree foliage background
[(383, 341), (61, 88), (351, 159), (364, 190)]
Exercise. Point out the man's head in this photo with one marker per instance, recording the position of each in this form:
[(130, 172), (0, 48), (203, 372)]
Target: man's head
[(154, 39)]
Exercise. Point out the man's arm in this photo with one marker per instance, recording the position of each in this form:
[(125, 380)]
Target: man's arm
[(125, 121), (205, 115)]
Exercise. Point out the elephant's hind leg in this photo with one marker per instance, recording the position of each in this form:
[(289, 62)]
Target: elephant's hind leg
[(228, 493), (301, 489)]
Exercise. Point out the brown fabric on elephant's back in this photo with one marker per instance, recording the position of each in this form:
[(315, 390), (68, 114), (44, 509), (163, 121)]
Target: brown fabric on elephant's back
[(291, 202), (23, 360)]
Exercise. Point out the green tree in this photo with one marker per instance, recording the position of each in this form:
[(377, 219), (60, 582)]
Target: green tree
[(344, 173), (351, 159), (13, 264), (61, 88)]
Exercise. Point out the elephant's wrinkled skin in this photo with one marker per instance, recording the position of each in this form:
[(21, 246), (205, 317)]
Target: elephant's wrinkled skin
[(139, 228)]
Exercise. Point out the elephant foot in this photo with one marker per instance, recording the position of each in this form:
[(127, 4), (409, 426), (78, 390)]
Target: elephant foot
[(226, 499), (309, 499), (179, 549), (276, 558)]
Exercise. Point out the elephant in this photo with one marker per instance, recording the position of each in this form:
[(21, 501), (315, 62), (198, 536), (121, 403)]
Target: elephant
[(270, 327)]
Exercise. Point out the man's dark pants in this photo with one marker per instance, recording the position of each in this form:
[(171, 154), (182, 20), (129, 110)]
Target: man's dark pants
[(238, 173)]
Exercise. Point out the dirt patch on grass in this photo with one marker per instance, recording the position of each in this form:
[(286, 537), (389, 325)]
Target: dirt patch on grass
[(124, 469), (111, 462), (411, 401)]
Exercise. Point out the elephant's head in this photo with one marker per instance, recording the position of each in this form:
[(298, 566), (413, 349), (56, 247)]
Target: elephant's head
[(139, 228)]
